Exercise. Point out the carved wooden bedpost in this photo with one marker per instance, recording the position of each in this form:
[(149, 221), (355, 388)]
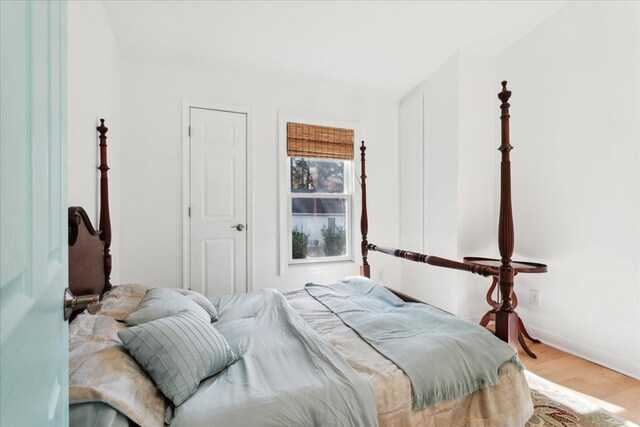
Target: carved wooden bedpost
[(506, 317), (365, 270), (105, 219)]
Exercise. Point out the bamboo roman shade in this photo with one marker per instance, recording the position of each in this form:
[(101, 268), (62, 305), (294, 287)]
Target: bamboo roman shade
[(319, 142)]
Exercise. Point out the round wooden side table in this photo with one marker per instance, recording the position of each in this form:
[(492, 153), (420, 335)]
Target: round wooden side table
[(518, 267)]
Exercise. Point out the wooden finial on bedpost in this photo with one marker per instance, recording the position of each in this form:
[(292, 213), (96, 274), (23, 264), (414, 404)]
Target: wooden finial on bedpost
[(105, 219), (506, 317), (365, 270)]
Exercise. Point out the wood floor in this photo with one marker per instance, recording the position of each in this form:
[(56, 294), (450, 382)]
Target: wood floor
[(611, 390)]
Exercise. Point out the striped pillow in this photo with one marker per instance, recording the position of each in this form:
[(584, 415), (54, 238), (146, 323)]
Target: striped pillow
[(178, 352)]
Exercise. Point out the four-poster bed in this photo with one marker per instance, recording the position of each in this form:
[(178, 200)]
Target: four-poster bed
[(507, 322), (252, 389)]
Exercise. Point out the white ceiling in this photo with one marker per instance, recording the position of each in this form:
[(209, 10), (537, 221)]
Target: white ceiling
[(383, 45)]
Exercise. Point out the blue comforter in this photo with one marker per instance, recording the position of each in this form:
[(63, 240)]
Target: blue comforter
[(287, 374), (444, 357)]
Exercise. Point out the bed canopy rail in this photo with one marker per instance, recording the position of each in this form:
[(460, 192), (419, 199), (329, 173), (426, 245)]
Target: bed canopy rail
[(506, 318), (482, 270)]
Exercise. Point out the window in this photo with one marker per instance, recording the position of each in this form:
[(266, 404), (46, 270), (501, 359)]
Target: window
[(317, 194), (318, 208)]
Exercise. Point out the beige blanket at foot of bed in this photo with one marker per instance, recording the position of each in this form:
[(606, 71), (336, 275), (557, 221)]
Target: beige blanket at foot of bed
[(506, 404)]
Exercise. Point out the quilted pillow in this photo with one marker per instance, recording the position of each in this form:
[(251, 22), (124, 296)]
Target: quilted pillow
[(201, 300), (178, 352), (162, 302)]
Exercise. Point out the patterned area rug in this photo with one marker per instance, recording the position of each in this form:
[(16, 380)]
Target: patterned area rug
[(557, 407)]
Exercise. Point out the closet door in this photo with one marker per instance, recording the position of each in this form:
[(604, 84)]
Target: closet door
[(412, 218), (34, 344)]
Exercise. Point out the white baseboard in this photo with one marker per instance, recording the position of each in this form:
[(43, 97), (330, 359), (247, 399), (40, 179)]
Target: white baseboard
[(602, 357), (596, 355)]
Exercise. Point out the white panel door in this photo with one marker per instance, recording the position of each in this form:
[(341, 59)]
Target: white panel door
[(218, 241), (34, 344)]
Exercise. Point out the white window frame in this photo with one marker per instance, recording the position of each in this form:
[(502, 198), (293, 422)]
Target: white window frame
[(346, 195), (287, 263)]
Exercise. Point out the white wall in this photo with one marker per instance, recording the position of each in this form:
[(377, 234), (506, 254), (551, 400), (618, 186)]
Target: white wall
[(152, 96), (575, 170), (478, 173), (575, 131), (93, 80)]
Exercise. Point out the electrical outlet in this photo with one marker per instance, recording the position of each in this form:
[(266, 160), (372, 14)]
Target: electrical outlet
[(381, 274), (534, 297)]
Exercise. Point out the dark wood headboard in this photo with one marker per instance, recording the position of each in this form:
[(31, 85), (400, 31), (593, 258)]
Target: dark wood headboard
[(89, 250), (86, 255)]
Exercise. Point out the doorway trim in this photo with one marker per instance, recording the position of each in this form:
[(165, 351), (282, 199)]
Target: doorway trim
[(186, 185)]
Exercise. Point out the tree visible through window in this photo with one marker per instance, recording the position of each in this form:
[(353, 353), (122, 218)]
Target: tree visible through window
[(322, 176)]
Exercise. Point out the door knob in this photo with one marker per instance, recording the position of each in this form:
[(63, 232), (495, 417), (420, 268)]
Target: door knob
[(238, 227), (72, 302)]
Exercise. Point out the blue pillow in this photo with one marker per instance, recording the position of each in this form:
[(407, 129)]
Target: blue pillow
[(163, 302), (201, 300), (178, 352)]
